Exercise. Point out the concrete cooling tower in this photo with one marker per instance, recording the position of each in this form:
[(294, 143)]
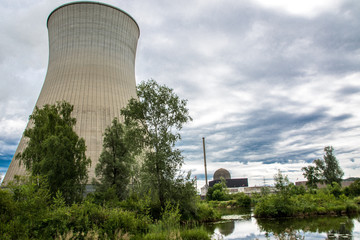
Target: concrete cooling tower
[(92, 48)]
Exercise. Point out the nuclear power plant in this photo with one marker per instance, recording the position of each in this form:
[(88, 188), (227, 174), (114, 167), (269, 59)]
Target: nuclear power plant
[(92, 48)]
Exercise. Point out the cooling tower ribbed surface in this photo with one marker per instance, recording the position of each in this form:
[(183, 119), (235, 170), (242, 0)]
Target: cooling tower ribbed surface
[(92, 48)]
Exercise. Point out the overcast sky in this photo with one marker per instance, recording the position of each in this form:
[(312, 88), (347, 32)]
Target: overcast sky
[(269, 83)]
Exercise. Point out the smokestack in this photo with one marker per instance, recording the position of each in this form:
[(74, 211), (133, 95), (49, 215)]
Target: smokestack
[(206, 181)]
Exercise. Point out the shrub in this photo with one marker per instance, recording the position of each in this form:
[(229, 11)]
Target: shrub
[(357, 200), (274, 205), (335, 189), (27, 208), (206, 213), (194, 234), (321, 210), (156, 236), (170, 218), (265, 207), (243, 200), (351, 207), (89, 217), (296, 190), (218, 192), (354, 188), (176, 234), (7, 206), (136, 203)]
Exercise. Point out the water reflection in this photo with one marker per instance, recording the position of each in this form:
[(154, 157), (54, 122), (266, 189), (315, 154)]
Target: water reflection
[(240, 225), (227, 228)]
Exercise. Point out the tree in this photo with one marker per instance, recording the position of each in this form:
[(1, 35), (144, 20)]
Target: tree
[(326, 170), (115, 162), (354, 188), (313, 176), (331, 169), (154, 121), (218, 192), (282, 183), (55, 151)]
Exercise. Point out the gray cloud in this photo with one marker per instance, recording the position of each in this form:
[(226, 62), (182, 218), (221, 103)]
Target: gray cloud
[(267, 88)]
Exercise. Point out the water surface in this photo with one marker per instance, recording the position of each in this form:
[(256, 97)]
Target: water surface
[(240, 224)]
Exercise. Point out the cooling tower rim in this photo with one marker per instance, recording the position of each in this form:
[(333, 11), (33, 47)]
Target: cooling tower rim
[(88, 2)]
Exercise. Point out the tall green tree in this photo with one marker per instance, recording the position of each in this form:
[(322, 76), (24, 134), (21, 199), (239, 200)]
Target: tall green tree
[(326, 170), (331, 170), (313, 176), (155, 119), (281, 182), (55, 151), (116, 160)]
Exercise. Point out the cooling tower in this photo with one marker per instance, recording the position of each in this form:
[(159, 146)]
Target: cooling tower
[(92, 48)]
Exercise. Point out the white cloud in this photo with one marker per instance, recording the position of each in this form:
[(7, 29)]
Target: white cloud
[(307, 8)]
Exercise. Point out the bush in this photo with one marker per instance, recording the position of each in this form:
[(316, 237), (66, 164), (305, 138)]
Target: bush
[(274, 205), (296, 190), (335, 189), (357, 200), (354, 188), (206, 213), (218, 192), (158, 236), (7, 213), (168, 227), (351, 207), (176, 234), (194, 234), (25, 206), (243, 200), (7, 206), (102, 196), (124, 220), (90, 219), (183, 194), (321, 210), (320, 202), (141, 205)]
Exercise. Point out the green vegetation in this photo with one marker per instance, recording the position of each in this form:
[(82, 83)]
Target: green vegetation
[(27, 211), (116, 162), (295, 201), (325, 171), (243, 200), (54, 150), (292, 201), (238, 200), (157, 201), (153, 122), (153, 201), (354, 189), (206, 213), (218, 192)]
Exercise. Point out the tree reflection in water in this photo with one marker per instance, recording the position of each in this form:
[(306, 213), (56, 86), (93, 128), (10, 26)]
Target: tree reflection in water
[(227, 228), (243, 226), (295, 228)]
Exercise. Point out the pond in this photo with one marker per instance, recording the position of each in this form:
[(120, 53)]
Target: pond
[(240, 224)]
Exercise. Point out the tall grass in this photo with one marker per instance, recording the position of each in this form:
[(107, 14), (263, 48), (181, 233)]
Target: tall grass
[(318, 203)]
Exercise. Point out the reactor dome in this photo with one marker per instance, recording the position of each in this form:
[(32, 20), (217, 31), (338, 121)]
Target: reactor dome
[(222, 173)]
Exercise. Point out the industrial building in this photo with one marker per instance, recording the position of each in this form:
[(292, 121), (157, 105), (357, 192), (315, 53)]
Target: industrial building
[(92, 48), (234, 185)]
